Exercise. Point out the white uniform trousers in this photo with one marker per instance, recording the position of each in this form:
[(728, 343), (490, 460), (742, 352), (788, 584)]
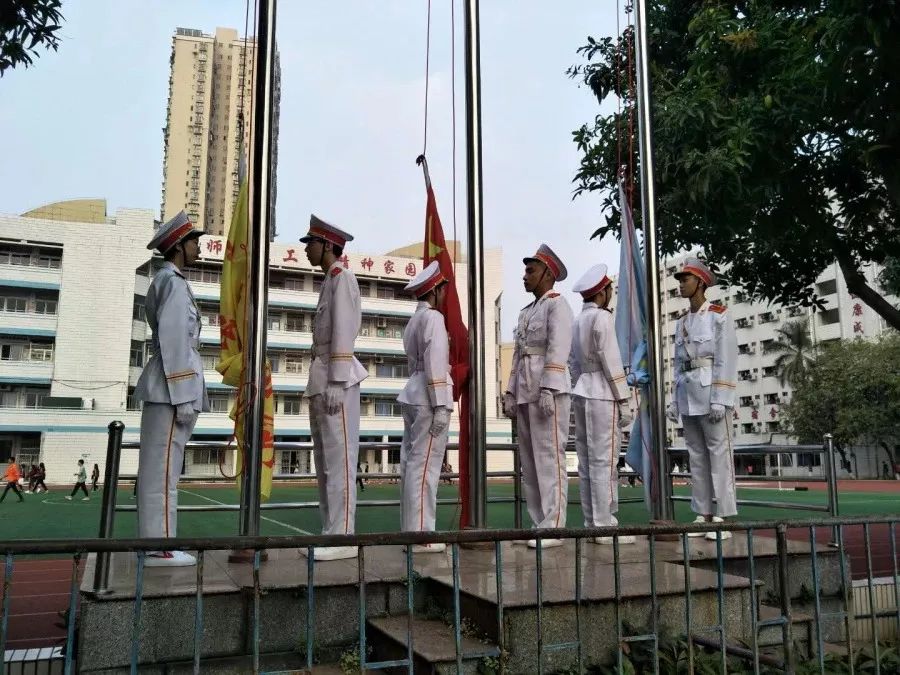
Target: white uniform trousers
[(542, 453), (597, 444), (421, 457), (712, 464), (335, 450), (159, 465)]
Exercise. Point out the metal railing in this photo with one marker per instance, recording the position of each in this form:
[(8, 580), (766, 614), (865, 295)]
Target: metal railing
[(724, 640), (115, 445)]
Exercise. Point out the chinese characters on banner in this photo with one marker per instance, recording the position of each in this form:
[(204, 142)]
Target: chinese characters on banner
[(401, 268)]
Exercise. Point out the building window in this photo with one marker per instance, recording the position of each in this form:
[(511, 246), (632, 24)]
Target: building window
[(294, 323), (293, 363), (771, 399), (293, 283), (13, 304), (387, 408), (136, 360), (209, 317), (218, 403), (317, 284), (769, 371), (209, 361), (395, 370), (747, 428), (746, 401), (773, 427), (42, 306), (275, 322), (290, 405), (35, 399), (365, 290), (214, 456), (40, 352), (385, 293)]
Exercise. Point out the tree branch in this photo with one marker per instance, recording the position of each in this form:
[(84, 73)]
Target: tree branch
[(856, 284)]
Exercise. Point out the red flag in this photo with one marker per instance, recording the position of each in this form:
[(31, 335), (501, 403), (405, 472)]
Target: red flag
[(436, 249)]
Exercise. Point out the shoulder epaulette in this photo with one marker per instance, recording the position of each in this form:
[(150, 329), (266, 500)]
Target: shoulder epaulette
[(718, 309), (335, 271), (553, 295)]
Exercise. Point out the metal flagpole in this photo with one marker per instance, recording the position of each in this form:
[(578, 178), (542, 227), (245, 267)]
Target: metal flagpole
[(261, 188), (662, 506), (477, 424)]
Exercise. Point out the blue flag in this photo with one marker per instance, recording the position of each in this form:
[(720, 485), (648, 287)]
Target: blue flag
[(631, 333)]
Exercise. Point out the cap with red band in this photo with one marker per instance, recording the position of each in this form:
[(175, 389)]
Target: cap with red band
[(426, 280), (592, 282), (546, 255), (699, 269), (319, 229), (173, 232)]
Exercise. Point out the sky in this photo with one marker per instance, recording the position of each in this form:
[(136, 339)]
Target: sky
[(87, 121)]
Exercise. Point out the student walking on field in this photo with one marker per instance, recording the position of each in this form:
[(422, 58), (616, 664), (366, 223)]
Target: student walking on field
[(95, 476), (12, 479), (39, 479), (80, 480)]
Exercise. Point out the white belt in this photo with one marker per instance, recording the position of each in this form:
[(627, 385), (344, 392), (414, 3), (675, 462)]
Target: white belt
[(534, 351)]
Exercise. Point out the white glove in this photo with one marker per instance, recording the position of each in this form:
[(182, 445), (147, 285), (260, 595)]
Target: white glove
[(672, 412), (625, 416), (546, 403), (184, 413), (440, 421), (334, 398), (510, 409), (716, 412)]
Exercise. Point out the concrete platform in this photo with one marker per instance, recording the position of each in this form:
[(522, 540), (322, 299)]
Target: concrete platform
[(168, 609)]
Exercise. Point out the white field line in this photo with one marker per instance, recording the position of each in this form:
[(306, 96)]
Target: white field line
[(266, 518)]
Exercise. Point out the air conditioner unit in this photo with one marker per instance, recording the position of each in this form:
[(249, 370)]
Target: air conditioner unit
[(364, 332), (204, 320), (381, 322), (365, 399), (379, 359), (753, 378)]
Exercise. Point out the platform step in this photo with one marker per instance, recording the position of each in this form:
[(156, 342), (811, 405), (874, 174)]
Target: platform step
[(434, 644), (771, 636)]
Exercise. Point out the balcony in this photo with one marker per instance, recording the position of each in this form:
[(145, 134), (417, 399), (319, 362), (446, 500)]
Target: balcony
[(26, 372), (28, 323), (28, 276), (293, 299)]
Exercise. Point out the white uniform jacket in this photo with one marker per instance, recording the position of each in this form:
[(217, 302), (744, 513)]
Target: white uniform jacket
[(596, 363), (705, 360), (428, 355), (338, 317), (543, 340), (174, 374)]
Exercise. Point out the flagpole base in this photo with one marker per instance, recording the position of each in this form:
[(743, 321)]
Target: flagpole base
[(665, 537), (245, 556)]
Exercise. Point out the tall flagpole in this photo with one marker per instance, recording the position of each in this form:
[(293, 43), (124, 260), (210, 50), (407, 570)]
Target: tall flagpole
[(261, 189), (662, 503), (475, 242)]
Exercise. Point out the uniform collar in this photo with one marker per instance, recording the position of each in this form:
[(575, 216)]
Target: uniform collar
[(336, 263), (589, 305), (168, 264), (421, 304), (703, 308)]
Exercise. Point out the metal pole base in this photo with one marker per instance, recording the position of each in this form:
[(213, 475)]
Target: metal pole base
[(666, 537), (244, 556)]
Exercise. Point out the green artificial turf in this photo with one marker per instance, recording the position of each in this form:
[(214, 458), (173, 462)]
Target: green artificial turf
[(51, 516)]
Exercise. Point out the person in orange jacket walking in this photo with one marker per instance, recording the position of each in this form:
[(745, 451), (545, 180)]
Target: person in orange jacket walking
[(12, 479)]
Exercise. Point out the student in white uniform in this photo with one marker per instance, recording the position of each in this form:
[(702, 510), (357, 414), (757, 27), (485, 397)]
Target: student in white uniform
[(537, 395), (171, 387), (427, 401), (600, 400), (333, 387), (705, 379)]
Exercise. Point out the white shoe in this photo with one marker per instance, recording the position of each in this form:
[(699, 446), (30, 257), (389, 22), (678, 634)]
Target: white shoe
[(519, 542), (169, 559), (85, 499), (68, 497), (332, 552), (623, 539), (711, 536), (699, 520), (429, 548), (27, 492), (545, 543)]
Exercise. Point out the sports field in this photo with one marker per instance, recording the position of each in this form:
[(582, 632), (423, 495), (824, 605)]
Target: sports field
[(51, 516)]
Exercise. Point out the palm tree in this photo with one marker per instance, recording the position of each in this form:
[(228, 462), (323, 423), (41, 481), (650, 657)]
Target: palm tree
[(795, 349)]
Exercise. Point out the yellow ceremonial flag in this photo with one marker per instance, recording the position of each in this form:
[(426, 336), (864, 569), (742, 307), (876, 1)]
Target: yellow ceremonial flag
[(233, 331)]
